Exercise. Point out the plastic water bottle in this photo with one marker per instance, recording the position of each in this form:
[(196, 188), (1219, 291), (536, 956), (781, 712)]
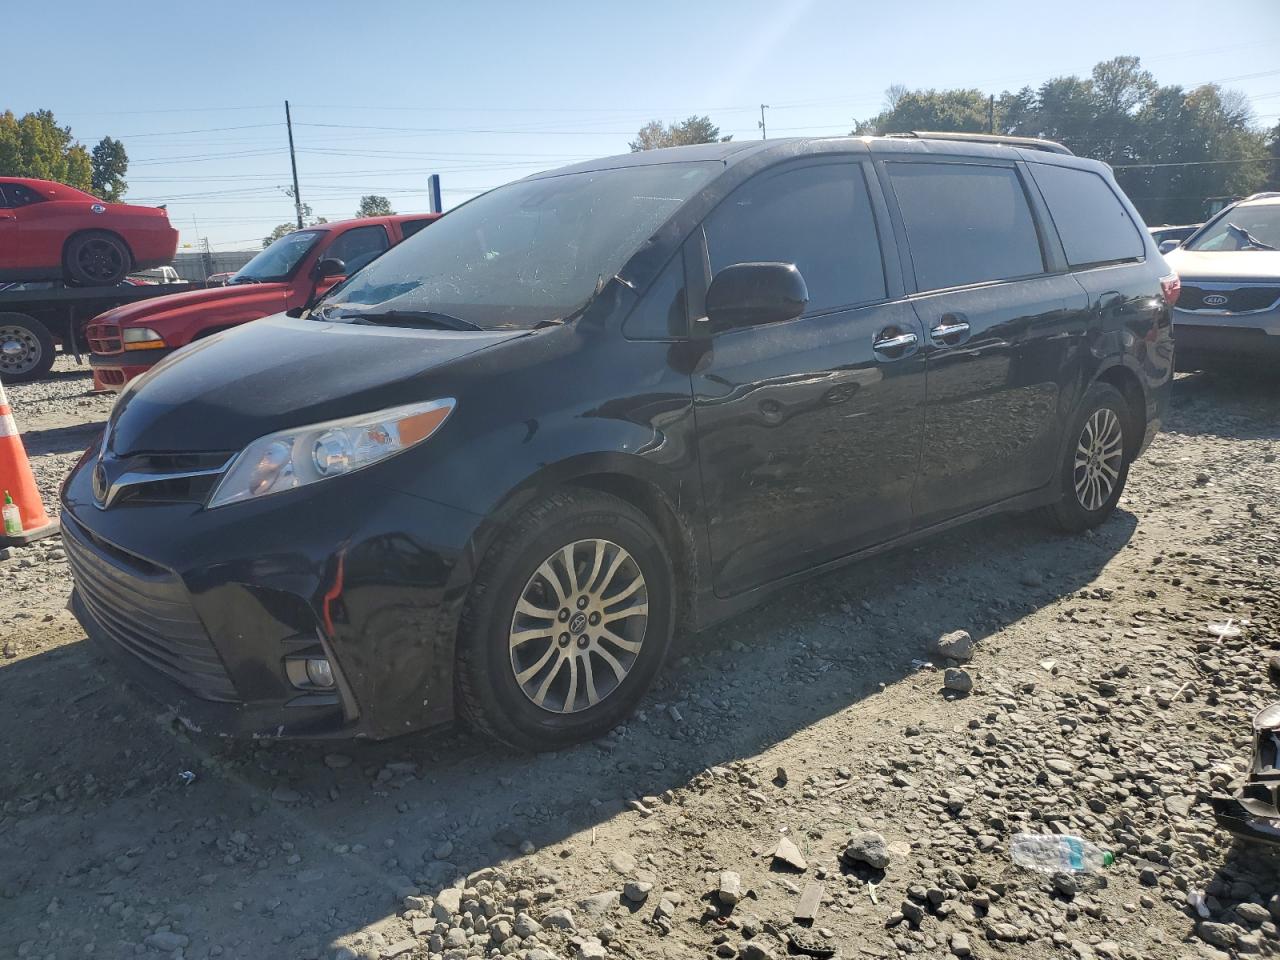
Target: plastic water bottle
[(1050, 853), (12, 518)]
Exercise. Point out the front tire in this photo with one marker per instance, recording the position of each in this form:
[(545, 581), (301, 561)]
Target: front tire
[(96, 259), (26, 348), (1096, 462), (568, 620)]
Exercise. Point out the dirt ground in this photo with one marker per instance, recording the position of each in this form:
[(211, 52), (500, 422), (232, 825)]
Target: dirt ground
[(1101, 706)]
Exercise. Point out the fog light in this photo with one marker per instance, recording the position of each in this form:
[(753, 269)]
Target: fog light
[(319, 672)]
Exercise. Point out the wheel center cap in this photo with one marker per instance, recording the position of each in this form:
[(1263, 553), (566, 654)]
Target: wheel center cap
[(578, 623), (12, 348)]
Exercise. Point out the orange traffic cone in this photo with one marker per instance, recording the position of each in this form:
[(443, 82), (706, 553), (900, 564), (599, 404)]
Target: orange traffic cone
[(19, 483)]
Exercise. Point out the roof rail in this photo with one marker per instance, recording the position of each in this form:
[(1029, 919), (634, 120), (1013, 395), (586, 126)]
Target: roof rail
[(1265, 195), (1031, 143)]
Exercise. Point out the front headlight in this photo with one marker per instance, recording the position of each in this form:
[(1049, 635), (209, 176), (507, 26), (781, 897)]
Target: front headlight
[(293, 458), (142, 338)]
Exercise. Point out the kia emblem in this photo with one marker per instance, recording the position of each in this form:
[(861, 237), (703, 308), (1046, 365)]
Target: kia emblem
[(1214, 300)]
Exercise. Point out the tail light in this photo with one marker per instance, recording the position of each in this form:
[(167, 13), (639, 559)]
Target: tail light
[(1170, 288)]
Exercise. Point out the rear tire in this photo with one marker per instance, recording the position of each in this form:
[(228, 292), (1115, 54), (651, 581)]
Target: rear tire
[(542, 682), (96, 258), (26, 348), (1095, 464)]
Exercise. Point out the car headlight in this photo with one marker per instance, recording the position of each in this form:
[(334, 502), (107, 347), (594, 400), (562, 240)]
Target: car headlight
[(1268, 718), (293, 458), (141, 338)]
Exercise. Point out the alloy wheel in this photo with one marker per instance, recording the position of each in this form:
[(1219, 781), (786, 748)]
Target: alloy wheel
[(20, 350), (1099, 458), (100, 258), (579, 626)]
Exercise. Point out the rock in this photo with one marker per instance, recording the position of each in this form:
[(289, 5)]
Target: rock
[(755, 951), (957, 680), (598, 904), (960, 945), (590, 949), (1063, 768), (957, 645), (399, 948), (285, 795), (166, 941), (622, 862), (1031, 578), (1252, 913), (444, 850), (730, 888), (1065, 884), (912, 912), (448, 904), (1217, 934), (561, 919), (788, 854), (867, 847), (1178, 806), (637, 891), (416, 903), (1148, 877), (526, 926), (455, 939), (336, 761)]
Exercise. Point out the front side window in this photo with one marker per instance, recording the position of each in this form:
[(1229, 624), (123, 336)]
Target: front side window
[(1242, 228), (1092, 222), (358, 246), (816, 217), (279, 260), (530, 252), (966, 223)]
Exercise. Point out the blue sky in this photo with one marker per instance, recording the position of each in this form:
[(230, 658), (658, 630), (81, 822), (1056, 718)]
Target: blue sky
[(485, 92)]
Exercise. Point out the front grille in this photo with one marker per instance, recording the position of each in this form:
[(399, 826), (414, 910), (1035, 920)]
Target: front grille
[(167, 477), (103, 338), (146, 610), (1238, 299)]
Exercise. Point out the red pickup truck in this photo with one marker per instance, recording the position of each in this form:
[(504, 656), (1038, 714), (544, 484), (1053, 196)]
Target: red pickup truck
[(129, 340)]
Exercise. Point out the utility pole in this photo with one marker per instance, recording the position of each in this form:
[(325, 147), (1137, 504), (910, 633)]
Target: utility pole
[(293, 162), (991, 113), (764, 134), (433, 192)]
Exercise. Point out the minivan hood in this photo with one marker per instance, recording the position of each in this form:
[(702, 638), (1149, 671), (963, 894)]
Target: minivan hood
[(1225, 264), (224, 391), (190, 301)]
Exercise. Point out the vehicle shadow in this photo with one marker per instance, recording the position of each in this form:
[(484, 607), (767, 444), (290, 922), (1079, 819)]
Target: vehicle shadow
[(1250, 873), (69, 439), (278, 849), (1239, 404)]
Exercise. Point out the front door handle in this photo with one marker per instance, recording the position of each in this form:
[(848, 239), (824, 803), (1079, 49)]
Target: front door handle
[(891, 345), (951, 330)]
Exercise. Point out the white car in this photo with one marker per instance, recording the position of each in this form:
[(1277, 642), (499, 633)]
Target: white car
[(158, 275), (1229, 308)]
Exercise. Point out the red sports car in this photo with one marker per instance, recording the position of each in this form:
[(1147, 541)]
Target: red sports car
[(49, 231)]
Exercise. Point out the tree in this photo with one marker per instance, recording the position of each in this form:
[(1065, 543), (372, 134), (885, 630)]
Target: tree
[(693, 130), (110, 162), (372, 205), (1273, 146), (1171, 148), (35, 146)]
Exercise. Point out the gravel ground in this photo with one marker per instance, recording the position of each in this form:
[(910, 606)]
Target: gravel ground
[(1100, 706)]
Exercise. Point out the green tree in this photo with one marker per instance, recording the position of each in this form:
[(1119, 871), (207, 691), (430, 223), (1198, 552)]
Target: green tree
[(110, 163), (372, 205), (909, 110), (309, 219), (1273, 147), (35, 146), (693, 130)]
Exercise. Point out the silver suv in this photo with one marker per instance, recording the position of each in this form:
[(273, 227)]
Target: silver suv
[(1229, 308)]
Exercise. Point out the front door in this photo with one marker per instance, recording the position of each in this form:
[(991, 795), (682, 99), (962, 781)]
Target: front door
[(9, 245), (1001, 333), (808, 435)]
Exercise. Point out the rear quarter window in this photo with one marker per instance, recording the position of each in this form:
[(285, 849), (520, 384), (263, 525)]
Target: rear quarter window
[(1094, 225)]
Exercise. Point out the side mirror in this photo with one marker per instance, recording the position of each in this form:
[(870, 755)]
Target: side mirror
[(1167, 245), (330, 267), (750, 294)]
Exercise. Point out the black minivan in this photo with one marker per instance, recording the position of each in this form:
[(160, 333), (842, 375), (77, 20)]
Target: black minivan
[(494, 472)]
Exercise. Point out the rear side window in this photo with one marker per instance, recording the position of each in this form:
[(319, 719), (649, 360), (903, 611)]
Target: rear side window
[(16, 195), (410, 227), (358, 246), (817, 217), (1092, 222), (966, 223)]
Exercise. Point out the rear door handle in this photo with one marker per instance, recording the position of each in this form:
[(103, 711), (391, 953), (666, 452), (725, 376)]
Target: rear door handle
[(951, 330), (894, 346)]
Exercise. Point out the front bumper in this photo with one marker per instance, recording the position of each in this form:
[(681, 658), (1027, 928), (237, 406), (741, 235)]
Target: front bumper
[(1252, 810), (1241, 337), (112, 371), (203, 608)]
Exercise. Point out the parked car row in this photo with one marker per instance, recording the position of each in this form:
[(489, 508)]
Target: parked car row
[(492, 472)]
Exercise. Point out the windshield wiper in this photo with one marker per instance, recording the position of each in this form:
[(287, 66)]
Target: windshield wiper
[(1249, 238), (392, 318)]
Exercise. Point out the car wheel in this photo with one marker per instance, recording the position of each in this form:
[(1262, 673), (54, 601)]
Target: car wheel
[(1096, 463), (97, 259), (567, 622), (26, 348)]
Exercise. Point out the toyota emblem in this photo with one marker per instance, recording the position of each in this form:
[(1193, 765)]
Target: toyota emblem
[(100, 486), (1214, 300)]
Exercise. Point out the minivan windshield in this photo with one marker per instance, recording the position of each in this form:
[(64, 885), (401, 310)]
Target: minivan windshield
[(278, 261), (531, 252), (1243, 228)]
